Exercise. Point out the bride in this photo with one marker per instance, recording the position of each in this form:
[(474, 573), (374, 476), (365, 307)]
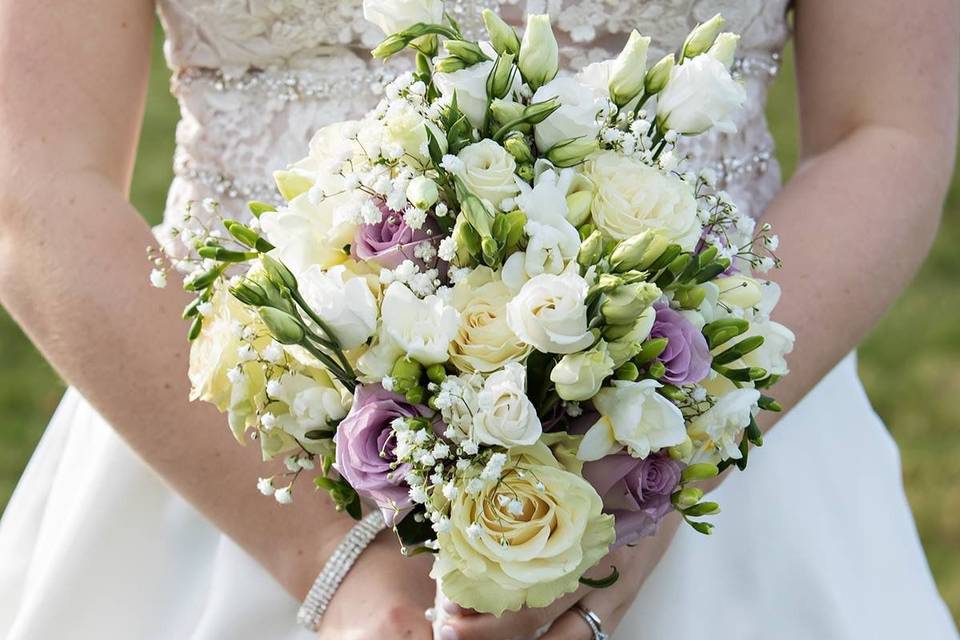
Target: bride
[(138, 519)]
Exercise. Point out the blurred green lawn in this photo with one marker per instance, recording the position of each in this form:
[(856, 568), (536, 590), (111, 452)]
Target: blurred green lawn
[(909, 364)]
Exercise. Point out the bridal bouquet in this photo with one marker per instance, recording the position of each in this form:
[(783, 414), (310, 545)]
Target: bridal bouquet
[(498, 308)]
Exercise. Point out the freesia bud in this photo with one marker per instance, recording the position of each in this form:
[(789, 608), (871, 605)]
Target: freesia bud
[(539, 52), (725, 48), (503, 38), (570, 153), (629, 70), (702, 37), (282, 326), (688, 497), (422, 192), (659, 75)]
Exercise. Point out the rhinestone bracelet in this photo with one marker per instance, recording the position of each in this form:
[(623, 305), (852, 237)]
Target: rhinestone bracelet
[(336, 568)]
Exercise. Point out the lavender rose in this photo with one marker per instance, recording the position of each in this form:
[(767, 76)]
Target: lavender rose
[(365, 450), (637, 492), (389, 242), (687, 356)]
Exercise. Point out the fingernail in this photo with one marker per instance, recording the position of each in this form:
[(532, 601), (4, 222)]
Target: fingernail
[(449, 606), (448, 633), (430, 614)]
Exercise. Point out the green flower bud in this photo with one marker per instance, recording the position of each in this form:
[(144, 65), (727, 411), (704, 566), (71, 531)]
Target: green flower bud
[(578, 207), (517, 145), (504, 111), (628, 371), (650, 350), (702, 37), (508, 230), (539, 111), (697, 472), (525, 171), (469, 52), (591, 249), (392, 45), (657, 369), (687, 497), (278, 272), (659, 75), (450, 64), (259, 208), (436, 373), (569, 153), (250, 293), (415, 395), (477, 214), (683, 451), (628, 74), (503, 38), (625, 303), (657, 249), (406, 374), (725, 48), (467, 241), (291, 183), (630, 253), (689, 297), (282, 326), (539, 52), (500, 79), (422, 192)]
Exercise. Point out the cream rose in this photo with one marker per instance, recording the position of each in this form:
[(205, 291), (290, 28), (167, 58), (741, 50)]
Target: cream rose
[(484, 341), (524, 540), (578, 376), (505, 416), (393, 16), (488, 171), (631, 197), (549, 313)]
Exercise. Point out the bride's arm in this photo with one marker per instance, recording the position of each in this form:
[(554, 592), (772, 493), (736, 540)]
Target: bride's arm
[(878, 106), (73, 272)]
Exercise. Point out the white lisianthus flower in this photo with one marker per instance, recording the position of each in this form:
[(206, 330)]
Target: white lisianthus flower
[(393, 16), (629, 70), (539, 59), (343, 301), (578, 376), (576, 117), (505, 416), (631, 197), (488, 171), (422, 328), (484, 341), (719, 427), (700, 95), (470, 87), (632, 416), (549, 313), (526, 554), (313, 402)]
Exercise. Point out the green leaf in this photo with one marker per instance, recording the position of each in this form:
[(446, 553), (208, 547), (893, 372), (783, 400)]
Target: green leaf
[(414, 531), (602, 583)]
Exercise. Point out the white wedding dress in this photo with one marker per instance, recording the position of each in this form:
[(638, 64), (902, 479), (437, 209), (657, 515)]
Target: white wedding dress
[(816, 539)]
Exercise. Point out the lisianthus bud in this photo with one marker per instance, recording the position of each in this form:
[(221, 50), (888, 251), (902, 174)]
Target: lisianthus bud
[(578, 376), (629, 254), (539, 52), (629, 70), (278, 272), (250, 293), (282, 326), (625, 303), (659, 75), (702, 37), (591, 249), (572, 152), (505, 111), (503, 38), (469, 52), (467, 241), (654, 250), (392, 45), (501, 76), (450, 64), (518, 147), (422, 192), (725, 47), (578, 207), (477, 214)]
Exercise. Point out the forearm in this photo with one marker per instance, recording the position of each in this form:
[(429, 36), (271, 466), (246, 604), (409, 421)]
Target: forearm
[(73, 272)]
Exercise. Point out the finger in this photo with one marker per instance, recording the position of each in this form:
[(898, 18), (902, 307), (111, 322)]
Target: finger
[(572, 625), (519, 625)]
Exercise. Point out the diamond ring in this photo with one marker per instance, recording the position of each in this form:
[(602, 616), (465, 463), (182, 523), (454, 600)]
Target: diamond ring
[(592, 620)]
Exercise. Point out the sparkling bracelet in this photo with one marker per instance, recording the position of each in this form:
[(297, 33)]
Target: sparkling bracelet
[(336, 568)]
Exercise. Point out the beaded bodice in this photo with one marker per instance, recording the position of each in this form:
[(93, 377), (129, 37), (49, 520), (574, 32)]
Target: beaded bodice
[(255, 78)]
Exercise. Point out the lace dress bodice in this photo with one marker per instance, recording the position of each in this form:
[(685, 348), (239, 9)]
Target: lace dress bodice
[(256, 78)]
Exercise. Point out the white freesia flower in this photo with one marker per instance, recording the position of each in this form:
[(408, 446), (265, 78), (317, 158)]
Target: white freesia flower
[(578, 376), (377, 361), (576, 117), (700, 95), (393, 16), (739, 291), (306, 234), (720, 426), (313, 402), (344, 303), (422, 328), (631, 197), (546, 202), (548, 251), (488, 171), (549, 313), (771, 355), (505, 416), (632, 416)]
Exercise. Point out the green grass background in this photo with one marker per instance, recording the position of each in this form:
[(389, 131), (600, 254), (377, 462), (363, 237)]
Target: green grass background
[(910, 363)]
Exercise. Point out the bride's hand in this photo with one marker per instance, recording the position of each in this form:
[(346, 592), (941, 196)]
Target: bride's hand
[(383, 596), (559, 619)]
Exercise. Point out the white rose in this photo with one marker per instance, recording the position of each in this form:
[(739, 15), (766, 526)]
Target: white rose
[(393, 16), (700, 95), (422, 328), (484, 341), (549, 313), (717, 430), (488, 171), (576, 117), (631, 197), (505, 416), (632, 416), (313, 403), (578, 376), (347, 306)]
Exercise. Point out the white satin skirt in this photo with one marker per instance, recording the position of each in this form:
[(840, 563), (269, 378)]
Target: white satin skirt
[(815, 541)]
